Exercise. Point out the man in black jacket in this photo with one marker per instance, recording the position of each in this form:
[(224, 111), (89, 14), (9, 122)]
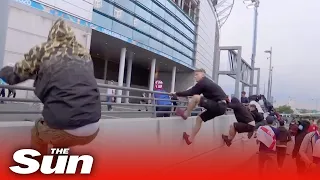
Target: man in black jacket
[(213, 100), (245, 122), (65, 84), (302, 132)]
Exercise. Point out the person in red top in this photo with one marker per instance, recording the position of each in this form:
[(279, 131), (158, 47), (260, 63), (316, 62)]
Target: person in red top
[(313, 126)]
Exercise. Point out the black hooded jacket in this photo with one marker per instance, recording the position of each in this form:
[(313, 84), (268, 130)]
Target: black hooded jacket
[(258, 117), (240, 111), (299, 137)]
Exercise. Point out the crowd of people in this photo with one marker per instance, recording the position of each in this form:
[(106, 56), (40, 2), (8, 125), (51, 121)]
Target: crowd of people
[(251, 119), (68, 121)]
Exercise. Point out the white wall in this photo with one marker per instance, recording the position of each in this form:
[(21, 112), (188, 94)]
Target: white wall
[(80, 8), (206, 37), (28, 27)]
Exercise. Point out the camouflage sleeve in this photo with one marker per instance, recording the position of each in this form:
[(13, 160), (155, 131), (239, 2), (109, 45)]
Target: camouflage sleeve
[(29, 66)]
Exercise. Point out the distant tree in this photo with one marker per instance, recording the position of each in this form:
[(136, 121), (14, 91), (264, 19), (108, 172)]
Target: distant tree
[(284, 109)]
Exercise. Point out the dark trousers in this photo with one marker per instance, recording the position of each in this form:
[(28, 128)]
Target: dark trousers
[(3, 93), (281, 155), (163, 109)]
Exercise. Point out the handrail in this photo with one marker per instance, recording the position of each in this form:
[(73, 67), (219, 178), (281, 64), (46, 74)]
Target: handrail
[(151, 104)]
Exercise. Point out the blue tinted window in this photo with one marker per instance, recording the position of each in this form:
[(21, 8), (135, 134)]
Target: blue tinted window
[(155, 8), (156, 33), (167, 50), (106, 8), (169, 18), (167, 39), (146, 3), (144, 27), (101, 20), (122, 29), (168, 29), (126, 4), (155, 44), (143, 13), (123, 16), (141, 38), (177, 45), (163, 2), (157, 22), (171, 7)]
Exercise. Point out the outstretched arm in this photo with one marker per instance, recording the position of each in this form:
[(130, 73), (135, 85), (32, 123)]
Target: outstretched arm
[(196, 89), (25, 69)]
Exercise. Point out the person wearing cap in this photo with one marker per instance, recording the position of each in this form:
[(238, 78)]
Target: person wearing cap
[(282, 140), (266, 138), (165, 103), (303, 126), (213, 100)]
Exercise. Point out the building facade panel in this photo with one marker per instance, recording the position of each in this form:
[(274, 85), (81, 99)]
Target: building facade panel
[(160, 25), (78, 8), (206, 40)]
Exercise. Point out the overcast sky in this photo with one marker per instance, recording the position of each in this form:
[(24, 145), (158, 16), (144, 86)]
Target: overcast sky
[(292, 28)]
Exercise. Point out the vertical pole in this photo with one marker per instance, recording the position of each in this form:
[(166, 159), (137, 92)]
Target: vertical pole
[(129, 72), (254, 46), (121, 72), (173, 78), (152, 73), (258, 82), (269, 80), (190, 5), (238, 74), (151, 85), (4, 16), (105, 72)]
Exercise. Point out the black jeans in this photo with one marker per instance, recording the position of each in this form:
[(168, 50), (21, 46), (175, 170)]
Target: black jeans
[(281, 155)]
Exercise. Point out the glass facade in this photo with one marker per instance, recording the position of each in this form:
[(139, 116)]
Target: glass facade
[(159, 24)]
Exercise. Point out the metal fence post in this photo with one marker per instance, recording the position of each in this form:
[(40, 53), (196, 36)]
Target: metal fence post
[(154, 105)]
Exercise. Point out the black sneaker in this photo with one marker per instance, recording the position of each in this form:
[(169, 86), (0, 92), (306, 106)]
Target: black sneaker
[(226, 140)]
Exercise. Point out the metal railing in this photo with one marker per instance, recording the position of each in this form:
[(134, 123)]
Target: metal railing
[(151, 107)]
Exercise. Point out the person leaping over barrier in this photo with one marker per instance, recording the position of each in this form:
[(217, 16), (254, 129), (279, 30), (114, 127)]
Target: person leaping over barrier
[(213, 100), (245, 122), (65, 84)]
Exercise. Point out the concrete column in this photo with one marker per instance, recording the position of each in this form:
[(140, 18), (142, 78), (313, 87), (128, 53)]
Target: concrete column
[(173, 78), (121, 72), (182, 4), (238, 74), (179, 3), (152, 72), (129, 71), (105, 71), (4, 16), (258, 82), (189, 9)]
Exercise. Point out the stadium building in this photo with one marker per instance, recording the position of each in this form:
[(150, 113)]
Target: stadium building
[(132, 42)]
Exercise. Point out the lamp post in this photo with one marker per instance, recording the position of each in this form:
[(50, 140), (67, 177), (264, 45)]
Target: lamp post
[(270, 73), (316, 101), (253, 4)]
